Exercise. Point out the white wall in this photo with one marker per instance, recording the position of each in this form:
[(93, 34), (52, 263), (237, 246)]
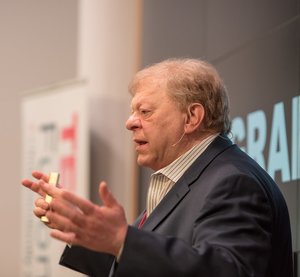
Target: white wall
[(45, 42), (38, 46)]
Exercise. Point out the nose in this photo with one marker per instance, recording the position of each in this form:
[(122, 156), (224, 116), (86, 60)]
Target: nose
[(133, 122)]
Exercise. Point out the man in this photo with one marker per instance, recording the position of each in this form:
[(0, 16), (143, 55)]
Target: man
[(211, 210)]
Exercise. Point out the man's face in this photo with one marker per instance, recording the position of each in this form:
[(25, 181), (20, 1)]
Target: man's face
[(157, 124)]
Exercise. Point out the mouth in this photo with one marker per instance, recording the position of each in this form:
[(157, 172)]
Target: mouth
[(139, 143)]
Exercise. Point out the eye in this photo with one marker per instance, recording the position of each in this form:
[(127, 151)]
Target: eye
[(145, 113)]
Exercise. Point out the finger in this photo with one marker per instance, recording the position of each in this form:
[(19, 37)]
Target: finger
[(39, 212), (28, 184), (106, 196), (64, 224), (40, 175), (42, 204), (50, 189), (57, 221), (68, 238), (84, 205), (64, 209), (35, 187)]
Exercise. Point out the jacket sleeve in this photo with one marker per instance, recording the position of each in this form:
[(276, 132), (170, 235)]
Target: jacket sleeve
[(231, 237), (86, 261)]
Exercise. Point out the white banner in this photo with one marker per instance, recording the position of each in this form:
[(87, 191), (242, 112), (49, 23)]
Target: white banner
[(54, 138)]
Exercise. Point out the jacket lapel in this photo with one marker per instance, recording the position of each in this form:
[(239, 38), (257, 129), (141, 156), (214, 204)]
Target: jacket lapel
[(182, 187), (166, 205)]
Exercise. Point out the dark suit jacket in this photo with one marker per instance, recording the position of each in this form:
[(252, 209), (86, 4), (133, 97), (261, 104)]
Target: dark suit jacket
[(224, 217)]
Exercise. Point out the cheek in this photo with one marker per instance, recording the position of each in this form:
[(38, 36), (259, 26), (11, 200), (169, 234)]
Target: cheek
[(162, 131), (162, 139), (157, 132)]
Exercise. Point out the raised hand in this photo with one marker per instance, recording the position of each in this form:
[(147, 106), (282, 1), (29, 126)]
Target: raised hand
[(41, 206), (80, 222)]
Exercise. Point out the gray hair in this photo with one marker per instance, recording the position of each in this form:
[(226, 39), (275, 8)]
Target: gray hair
[(190, 81)]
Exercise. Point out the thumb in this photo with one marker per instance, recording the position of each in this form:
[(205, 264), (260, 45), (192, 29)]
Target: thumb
[(106, 196)]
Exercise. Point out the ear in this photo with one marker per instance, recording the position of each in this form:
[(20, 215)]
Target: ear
[(195, 116)]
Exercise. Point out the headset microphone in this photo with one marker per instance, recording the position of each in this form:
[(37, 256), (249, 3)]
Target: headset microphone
[(173, 145)]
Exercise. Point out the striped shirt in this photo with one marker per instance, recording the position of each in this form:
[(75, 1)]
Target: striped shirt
[(164, 179)]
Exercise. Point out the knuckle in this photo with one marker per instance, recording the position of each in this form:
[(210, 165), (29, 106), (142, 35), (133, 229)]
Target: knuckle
[(40, 202), (77, 218)]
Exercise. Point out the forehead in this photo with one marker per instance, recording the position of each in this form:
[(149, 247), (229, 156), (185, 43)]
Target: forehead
[(149, 92)]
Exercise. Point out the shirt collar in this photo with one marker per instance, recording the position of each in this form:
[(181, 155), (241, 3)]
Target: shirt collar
[(176, 169)]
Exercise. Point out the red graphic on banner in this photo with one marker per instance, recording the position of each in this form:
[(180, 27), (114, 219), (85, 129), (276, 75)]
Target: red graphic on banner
[(67, 162)]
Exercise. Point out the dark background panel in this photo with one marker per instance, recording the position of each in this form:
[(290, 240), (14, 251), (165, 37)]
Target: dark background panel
[(255, 45), (233, 24), (172, 28)]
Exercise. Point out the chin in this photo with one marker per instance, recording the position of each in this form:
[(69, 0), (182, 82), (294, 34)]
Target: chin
[(144, 162)]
